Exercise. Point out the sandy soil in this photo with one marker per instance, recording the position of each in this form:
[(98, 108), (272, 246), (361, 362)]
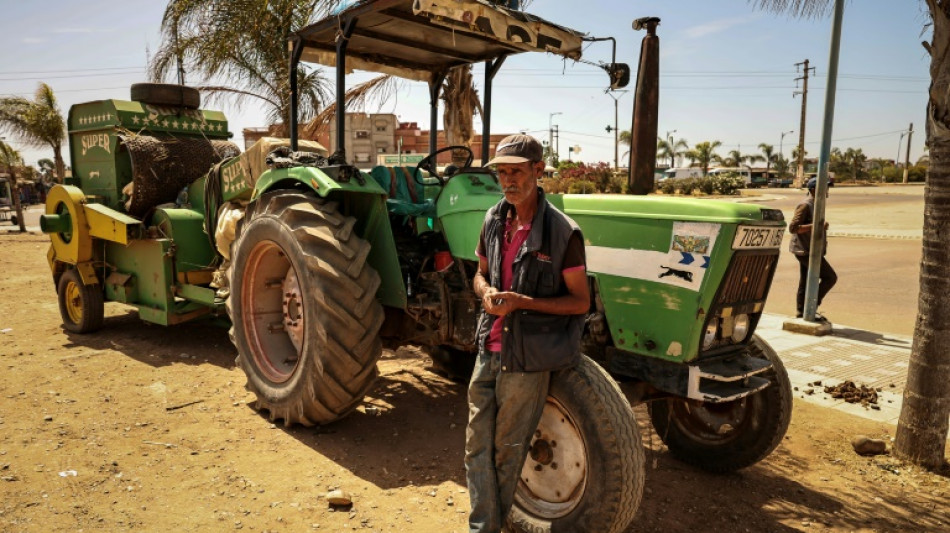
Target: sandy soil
[(140, 427)]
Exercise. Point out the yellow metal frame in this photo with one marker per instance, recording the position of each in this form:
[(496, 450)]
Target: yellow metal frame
[(78, 249)]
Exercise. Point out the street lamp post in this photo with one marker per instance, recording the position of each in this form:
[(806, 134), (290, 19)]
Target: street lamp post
[(551, 136), (616, 131), (781, 141)]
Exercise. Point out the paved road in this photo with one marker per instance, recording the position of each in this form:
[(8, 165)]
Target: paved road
[(874, 246)]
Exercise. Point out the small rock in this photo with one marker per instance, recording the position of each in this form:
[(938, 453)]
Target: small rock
[(339, 497), (48, 418), (864, 445)]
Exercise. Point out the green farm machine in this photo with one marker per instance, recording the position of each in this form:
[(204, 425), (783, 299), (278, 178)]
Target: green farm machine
[(319, 265)]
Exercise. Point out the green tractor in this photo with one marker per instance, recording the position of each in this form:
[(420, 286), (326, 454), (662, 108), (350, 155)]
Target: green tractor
[(320, 265)]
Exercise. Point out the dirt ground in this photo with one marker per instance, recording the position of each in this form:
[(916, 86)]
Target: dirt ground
[(141, 427)]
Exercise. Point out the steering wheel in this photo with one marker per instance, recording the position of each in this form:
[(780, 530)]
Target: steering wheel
[(429, 163)]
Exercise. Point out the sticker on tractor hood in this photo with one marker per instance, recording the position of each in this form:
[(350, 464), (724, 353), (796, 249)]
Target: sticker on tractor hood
[(748, 237), (684, 265)]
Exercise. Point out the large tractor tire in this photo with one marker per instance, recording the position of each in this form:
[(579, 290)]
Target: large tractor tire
[(728, 436), (585, 468), (81, 306), (304, 311), (166, 94), (452, 363)]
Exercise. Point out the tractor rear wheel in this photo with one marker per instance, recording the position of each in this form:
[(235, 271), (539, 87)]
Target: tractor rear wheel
[(728, 436), (80, 305), (303, 307), (585, 469)]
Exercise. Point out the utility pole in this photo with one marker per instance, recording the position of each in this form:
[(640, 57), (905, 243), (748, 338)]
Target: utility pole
[(910, 135), (800, 171), (551, 157)]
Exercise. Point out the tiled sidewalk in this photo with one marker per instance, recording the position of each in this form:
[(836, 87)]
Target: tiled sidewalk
[(848, 354)]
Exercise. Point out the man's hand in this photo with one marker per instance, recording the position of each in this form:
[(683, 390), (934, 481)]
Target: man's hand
[(500, 303)]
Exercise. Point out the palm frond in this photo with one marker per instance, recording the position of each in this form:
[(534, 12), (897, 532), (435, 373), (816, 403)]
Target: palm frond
[(795, 8), (376, 90)]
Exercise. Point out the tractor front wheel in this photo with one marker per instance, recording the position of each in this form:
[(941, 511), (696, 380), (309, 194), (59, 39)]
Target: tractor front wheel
[(585, 468), (722, 437), (80, 305), (452, 363), (303, 307)]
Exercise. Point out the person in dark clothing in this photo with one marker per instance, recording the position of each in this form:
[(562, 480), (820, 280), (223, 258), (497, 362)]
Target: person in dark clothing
[(531, 277), (801, 227)]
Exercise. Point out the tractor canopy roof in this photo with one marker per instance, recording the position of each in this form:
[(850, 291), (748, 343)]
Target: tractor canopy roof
[(419, 39)]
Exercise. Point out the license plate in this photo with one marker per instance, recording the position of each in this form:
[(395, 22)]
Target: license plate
[(757, 237)]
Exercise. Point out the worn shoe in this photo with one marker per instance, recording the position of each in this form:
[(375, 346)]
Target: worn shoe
[(821, 318)]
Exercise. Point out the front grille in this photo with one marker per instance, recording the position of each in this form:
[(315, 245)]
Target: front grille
[(748, 278)]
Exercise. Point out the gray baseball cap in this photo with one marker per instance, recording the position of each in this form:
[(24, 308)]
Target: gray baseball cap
[(517, 149)]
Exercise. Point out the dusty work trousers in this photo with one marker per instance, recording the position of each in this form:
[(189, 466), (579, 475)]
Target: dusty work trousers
[(503, 412), (826, 280)]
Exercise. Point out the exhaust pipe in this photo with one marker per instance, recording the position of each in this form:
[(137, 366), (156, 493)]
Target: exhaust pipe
[(646, 106)]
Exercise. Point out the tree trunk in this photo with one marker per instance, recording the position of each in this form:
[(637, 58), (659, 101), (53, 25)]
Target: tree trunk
[(923, 424), (17, 205), (60, 165), (460, 103)]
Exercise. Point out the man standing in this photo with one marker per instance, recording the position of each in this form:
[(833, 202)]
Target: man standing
[(532, 280), (801, 227)]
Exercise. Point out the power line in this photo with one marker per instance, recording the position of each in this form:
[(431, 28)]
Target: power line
[(61, 71), (74, 76)]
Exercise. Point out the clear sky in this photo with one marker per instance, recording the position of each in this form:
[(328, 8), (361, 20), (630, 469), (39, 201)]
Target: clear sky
[(727, 72)]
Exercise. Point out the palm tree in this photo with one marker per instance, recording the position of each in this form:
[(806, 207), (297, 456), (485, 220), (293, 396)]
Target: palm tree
[(36, 122), (244, 42), (703, 154), (855, 159), (665, 147), (923, 425), (9, 160), (768, 155)]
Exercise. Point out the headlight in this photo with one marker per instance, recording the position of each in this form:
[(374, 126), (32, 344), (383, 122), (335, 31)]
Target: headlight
[(710, 336), (740, 329)]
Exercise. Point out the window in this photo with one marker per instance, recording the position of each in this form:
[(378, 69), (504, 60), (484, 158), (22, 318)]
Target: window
[(362, 158), (361, 134), (381, 150)]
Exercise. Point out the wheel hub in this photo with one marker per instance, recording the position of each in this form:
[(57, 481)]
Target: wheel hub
[(712, 421), (292, 304), (74, 302), (272, 311), (555, 472)]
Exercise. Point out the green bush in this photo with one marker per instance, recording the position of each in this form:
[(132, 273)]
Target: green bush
[(687, 185), (667, 187), (727, 184), (582, 187)]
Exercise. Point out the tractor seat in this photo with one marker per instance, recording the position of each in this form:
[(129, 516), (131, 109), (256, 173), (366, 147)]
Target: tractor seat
[(406, 197)]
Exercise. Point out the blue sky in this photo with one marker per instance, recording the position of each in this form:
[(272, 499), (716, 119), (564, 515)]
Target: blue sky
[(727, 72)]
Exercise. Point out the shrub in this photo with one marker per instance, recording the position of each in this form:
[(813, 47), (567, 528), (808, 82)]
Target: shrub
[(582, 187), (617, 184), (687, 185), (727, 184), (668, 187)]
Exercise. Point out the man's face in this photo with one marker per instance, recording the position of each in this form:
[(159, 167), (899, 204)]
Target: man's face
[(519, 181)]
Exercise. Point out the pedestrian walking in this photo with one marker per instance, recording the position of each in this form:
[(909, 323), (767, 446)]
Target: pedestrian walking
[(531, 277), (801, 228)]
